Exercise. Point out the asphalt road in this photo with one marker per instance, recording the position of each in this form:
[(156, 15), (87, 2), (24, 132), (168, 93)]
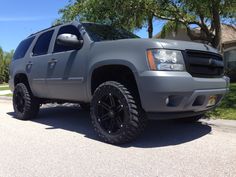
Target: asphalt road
[(61, 143)]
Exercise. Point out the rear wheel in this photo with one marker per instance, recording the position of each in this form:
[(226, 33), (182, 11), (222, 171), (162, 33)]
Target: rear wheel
[(26, 106), (116, 115)]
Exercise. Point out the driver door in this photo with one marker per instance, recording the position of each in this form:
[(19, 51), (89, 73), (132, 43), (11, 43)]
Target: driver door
[(65, 68)]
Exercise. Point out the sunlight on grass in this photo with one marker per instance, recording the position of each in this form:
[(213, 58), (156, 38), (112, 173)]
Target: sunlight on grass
[(9, 95), (4, 88), (227, 109)]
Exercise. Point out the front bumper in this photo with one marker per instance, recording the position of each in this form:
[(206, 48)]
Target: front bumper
[(174, 93)]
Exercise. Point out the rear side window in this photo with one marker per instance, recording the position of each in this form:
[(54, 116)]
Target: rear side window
[(42, 45), (22, 48), (66, 29)]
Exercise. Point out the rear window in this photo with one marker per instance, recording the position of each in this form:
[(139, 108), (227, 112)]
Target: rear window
[(22, 48)]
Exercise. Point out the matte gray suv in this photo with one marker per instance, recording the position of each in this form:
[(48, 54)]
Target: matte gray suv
[(122, 79)]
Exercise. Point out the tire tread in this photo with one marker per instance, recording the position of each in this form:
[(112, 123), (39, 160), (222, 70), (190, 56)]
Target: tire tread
[(137, 122), (31, 104)]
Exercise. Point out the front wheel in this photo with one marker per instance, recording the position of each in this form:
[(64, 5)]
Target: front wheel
[(116, 115), (26, 106)]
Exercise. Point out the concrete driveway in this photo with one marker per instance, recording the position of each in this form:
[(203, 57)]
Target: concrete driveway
[(61, 143), (5, 92)]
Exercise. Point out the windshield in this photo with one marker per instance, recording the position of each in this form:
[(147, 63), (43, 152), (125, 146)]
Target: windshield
[(99, 32)]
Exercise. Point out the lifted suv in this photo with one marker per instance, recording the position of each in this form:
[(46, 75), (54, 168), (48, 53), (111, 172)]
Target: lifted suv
[(125, 79)]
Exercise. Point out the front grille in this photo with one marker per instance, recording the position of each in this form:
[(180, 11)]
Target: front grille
[(204, 64)]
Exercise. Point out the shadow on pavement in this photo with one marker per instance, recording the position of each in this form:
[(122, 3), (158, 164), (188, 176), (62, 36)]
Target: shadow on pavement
[(157, 134), (170, 132)]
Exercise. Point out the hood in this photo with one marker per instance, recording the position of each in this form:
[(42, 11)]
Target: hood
[(160, 43), (185, 45)]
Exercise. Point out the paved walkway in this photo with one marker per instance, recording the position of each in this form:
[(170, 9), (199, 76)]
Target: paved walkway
[(3, 86), (5, 92)]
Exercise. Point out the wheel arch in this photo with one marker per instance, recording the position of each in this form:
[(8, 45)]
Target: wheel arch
[(21, 78), (124, 73)]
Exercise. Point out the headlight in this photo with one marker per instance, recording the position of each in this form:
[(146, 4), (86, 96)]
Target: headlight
[(165, 60)]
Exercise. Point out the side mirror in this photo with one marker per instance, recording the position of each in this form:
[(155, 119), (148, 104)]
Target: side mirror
[(69, 40)]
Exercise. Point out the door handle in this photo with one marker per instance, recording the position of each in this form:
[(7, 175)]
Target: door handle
[(29, 66), (52, 61), (30, 63)]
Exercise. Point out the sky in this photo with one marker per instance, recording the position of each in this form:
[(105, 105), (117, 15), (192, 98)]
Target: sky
[(20, 18)]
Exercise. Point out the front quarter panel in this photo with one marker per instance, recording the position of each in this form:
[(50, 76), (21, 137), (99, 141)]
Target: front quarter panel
[(130, 53)]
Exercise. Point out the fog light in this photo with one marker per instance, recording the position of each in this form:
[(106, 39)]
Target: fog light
[(167, 100)]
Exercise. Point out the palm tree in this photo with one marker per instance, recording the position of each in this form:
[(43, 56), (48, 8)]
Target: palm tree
[(169, 27)]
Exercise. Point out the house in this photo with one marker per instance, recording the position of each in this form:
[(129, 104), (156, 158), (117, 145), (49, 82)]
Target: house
[(228, 45)]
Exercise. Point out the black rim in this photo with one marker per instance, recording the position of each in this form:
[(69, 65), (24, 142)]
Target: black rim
[(110, 113), (19, 100)]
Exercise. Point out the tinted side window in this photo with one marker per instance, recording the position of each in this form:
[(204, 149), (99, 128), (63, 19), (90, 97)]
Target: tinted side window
[(66, 29), (22, 48), (42, 45)]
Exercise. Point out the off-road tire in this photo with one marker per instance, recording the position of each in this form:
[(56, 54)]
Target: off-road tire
[(134, 117), (30, 105)]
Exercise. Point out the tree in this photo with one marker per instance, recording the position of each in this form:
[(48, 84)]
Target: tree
[(1, 64), (5, 59), (131, 14), (205, 14)]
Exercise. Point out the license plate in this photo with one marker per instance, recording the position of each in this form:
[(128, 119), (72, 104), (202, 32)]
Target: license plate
[(212, 101)]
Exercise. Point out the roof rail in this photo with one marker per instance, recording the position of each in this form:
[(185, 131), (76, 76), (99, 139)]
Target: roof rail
[(45, 29), (53, 26)]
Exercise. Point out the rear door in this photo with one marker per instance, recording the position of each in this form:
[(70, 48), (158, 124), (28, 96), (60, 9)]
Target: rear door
[(38, 64)]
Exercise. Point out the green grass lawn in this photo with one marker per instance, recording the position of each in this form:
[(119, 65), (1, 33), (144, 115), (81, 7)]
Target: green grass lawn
[(6, 87), (227, 109), (9, 95)]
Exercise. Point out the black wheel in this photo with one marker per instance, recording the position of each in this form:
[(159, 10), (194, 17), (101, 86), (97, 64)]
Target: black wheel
[(85, 106), (192, 119), (116, 115), (26, 106)]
